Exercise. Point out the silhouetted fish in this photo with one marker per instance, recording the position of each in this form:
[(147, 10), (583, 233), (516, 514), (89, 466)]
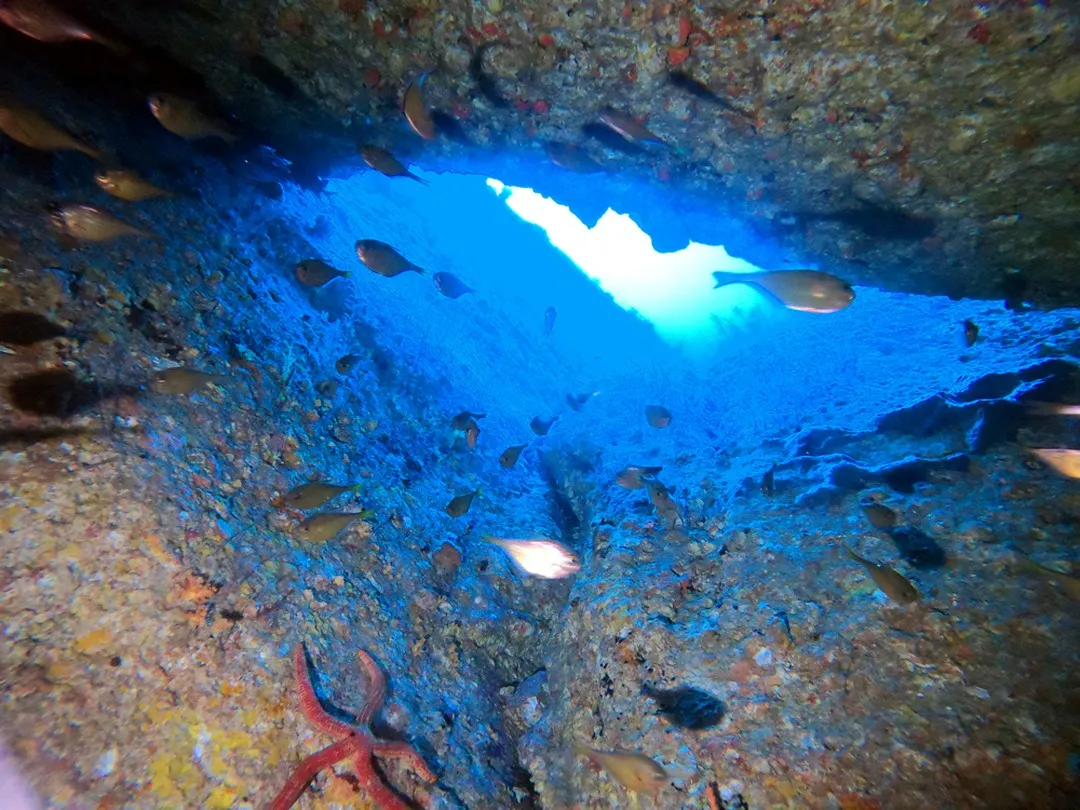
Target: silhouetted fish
[(451, 286)]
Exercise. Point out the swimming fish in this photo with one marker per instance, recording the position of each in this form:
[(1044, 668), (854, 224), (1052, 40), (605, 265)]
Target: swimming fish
[(895, 586), (1069, 583), (32, 129), (461, 421), (380, 258), (541, 426), (182, 116), (314, 494), (347, 363), (768, 482), (1066, 462), (460, 505), (549, 319), (686, 706), (510, 455), (657, 416), (180, 380), (127, 185), (416, 112), (316, 272), (540, 557), (571, 157), (451, 286), (472, 434), (631, 770), (384, 163), (629, 127), (577, 401), (632, 476), (661, 500), (879, 515), (89, 224), (41, 20), (801, 290), (1052, 409), (971, 333), (327, 525), (22, 328)]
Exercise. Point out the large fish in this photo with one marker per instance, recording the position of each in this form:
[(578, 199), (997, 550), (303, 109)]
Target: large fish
[(381, 258), (801, 290)]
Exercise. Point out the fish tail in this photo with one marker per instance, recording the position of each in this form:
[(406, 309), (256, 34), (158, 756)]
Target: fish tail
[(418, 269), (723, 279)]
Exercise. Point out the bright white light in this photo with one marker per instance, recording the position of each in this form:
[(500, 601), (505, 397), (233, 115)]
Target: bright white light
[(675, 291)]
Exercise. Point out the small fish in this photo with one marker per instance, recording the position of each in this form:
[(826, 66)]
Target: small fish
[(316, 273), (314, 494), (629, 127), (182, 116), (540, 557), (895, 586), (89, 224), (768, 482), (1052, 409), (657, 416), (384, 163), (127, 185), (1066, 462), (1069, 583), (511, 455), (416, 112), (661, 500), (380, 258), (541, 426), (572, 157), (451, 286), (461, 421), (41, 20), (484, 81), (631, 770), (180, 380), (577, 401), (21, 328), (460, 505), (327, 525), (633, 476), (32, 129), (549, 320), (801, 290), (347, 363), (472, 434), (879, 515), (686, 706), (700, 90), (971, 333)]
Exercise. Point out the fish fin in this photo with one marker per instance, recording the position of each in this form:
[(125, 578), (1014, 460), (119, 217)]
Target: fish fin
[(723, 279), (420, 180), (418, 269)]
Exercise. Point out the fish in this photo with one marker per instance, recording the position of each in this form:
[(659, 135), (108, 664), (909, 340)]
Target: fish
[(686, 706), (316, 272), (577, 401), (462, 420), (180, 380), (314, 494), (511, 455), (1069, 583), (472, 434), (879, 515), (657, 416), (539, 557), (633, 771), (380, 258), (800, 290), (629, 127), (699, 90), (22, 328), (894, 585), (633, 476), (971, 333), (460, 505), (768, 482), (416, 112), (347, 363), (182, 116), (41, 20), (661, 499), (1066, 462), (549, 320), (87, 223), (32, 129), (328, 525), (384, 163), (451, 286), (572, 157), (127, 185), (483, 80), (541, 426), (1052, 409)]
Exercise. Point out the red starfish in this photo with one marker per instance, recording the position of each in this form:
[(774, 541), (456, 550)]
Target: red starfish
[(356, 741)]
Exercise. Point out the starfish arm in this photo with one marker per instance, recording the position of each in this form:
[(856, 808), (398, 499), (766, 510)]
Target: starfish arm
[(306, 770), (401, 750), (381, 796), (376, 689), (309, 701)]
